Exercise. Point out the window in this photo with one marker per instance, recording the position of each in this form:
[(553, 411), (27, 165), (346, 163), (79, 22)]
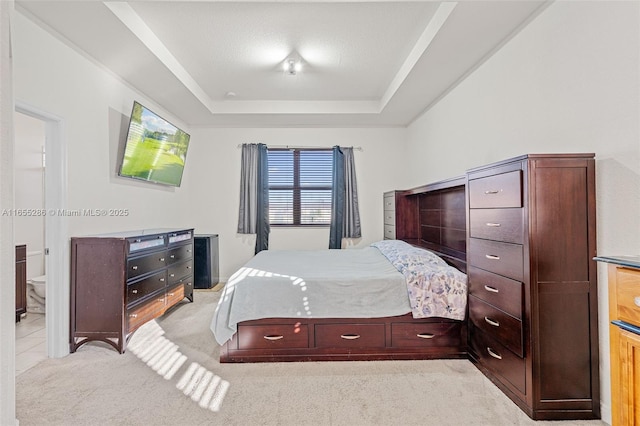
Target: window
[(300, 186)]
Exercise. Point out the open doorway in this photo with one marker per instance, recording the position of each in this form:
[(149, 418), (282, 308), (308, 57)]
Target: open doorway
[(56, 235), (29, 230)]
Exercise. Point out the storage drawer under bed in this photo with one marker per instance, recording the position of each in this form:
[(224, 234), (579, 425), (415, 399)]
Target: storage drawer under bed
[(273, 336)]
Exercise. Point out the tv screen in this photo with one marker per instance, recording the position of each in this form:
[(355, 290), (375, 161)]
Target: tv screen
[(155, 149)]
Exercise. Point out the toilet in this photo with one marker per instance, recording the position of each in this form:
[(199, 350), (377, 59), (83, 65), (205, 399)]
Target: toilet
[(36, 291)]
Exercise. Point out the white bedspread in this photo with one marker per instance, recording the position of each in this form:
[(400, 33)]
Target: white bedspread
[(354, 283)]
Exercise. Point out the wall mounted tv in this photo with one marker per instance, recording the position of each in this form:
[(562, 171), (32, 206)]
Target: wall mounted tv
[(155, 150)]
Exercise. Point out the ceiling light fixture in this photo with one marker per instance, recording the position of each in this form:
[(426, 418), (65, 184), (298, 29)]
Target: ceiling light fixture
[(292, 66)]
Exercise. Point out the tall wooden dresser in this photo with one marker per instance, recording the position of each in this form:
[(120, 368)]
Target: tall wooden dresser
[(122, 280), (533, 306), (624, 337)]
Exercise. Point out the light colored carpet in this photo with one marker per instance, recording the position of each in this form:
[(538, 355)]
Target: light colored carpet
[(170, 375)]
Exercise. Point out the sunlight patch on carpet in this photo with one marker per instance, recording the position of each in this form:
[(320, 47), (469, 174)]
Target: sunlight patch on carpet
[(150, 345)]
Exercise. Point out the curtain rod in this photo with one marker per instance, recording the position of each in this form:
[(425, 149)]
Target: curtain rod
[(356, 148)]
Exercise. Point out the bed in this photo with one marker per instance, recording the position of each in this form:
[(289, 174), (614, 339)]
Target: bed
[(390, 300)]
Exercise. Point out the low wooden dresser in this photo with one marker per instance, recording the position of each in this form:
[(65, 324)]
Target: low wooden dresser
[(122, 280), (533, 307), (624, 332)]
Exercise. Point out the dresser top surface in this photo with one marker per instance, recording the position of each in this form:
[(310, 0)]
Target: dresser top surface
[(632, 261), (140, 233)]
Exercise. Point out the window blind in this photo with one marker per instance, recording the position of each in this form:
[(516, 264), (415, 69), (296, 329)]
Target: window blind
[(300, 186)]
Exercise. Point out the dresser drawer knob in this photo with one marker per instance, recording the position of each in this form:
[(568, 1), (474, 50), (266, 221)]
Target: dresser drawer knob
[(274, 337), (492, 322), (350, 336), (491, 289), (426, 335), (134, 291), (172, 275), (161, 300), (161, 259), (161, 280), (493, 354), (493, 224), (134, 267), (133, 315), (492, 257), (492, 191), (636, 301), (171, 294), (173, 256)]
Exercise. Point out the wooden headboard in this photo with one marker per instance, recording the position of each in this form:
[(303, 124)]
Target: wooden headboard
[(437, 213)]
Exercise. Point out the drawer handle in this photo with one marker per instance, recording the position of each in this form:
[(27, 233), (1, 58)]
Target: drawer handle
[(171, 294), (162, 259), (492, 322), (189, 251), (492, 257), (134, 267), (492, 191), (133, 315), (274, 337), (426, 335), (161, 280), (491, 289), (350, 336), (134, 291), (493, 354), (636, 300), (188, 267), (172, 275), (492, 224), (161, 299), (173, 256)]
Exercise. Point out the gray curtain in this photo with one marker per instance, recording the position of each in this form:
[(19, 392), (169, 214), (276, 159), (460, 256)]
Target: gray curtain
[(351, 217), (253, 213), (337, 199), (345, 214)]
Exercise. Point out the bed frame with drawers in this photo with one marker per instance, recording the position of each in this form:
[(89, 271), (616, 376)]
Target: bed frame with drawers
[(437, 216)]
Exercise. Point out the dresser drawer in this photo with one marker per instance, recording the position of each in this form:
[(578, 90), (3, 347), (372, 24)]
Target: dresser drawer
[(497, 224), (503, 293), (497, 191), (175, 294), (498, 324), (145, 312), (501, 361), (178, 271), (389, 232), (144, 264), (146, 286), (179, 254), (350, 335), (628, 295), (389, 201), (502, 258), (426, 334), (389, 217), (273, 336)]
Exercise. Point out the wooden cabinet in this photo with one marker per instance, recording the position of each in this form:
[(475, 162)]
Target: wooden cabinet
[(120, 281), (21, 281), (532, 282), (624, 335), (397, 205)]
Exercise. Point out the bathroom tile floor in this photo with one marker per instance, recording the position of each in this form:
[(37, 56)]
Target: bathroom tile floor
[(31, 342)]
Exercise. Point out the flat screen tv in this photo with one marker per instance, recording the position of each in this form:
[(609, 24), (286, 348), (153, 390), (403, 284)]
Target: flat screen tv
[(155, 150)]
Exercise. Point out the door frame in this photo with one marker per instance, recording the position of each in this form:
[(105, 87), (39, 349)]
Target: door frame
[(57, 257)]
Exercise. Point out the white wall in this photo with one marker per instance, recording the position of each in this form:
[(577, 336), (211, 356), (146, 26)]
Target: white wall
[(213, 173), (94, 108), (7, 250), (569, 82)]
